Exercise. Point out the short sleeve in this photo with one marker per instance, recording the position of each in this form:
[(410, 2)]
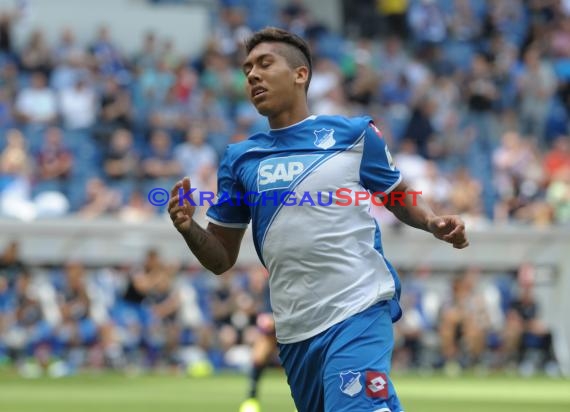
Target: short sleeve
[(378, 173), (229, 209)]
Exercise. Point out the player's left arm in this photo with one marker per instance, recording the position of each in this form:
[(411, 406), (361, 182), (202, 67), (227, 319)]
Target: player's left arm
[(379, 174), (413, 210)]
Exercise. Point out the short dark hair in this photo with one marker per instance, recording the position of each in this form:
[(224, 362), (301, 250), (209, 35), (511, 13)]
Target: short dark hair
[(297, 52)]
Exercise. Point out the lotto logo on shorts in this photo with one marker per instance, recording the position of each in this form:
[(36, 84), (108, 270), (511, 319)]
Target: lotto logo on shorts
[(376, 385)]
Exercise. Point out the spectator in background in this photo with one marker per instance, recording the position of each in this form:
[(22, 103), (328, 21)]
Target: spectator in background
[(185, 84), (224, 305), (420, 129), (412, 329), (100, 200), (27, 333), (362, 87), (14, 158), (224, 80), (67, 47), (445, 96), (11, 265), (115, 110), (68, 72), (137, 210), (133, 311), (77, 330), (560, 39), (463, 23), (395, 60), (517, 175), (326, 77), (108, 57), (154, 84), (197, 158), (525, 331), (78, 105), (15, 177), (54, 163), (466, 198), (164, 302), (464, 323), (6, 110), (168, 55), (427, 22), (295, 17), (558, 157), (121, 164), (36, 104), (537, 84), (171, 115), (148, 56), (159, 167), (435, 188), (231, 31), (6, 43), (36, 55), (10, 80), (409, 160)]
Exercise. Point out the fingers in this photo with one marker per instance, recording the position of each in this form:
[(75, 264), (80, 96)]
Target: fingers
[(186, 184), (175, 188), (180, 219), (174, 204), (459, 230), (456, 231), (461, 245)]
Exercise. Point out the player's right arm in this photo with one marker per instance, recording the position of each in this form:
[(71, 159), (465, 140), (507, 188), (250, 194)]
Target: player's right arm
[(216, 247)]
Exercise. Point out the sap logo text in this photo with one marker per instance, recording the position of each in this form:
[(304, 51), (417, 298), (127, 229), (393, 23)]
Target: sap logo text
[(280, 172)]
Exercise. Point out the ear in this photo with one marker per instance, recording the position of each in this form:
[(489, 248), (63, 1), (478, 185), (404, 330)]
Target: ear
[(301, 75)]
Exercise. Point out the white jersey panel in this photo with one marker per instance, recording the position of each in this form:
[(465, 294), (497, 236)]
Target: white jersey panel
[(325, 269)]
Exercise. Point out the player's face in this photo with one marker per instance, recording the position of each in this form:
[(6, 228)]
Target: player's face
[(271, 83)]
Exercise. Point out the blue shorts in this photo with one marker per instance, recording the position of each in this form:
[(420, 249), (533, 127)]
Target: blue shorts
[(345, 368)]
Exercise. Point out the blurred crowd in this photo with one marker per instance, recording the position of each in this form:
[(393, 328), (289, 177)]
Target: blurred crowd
[(162, 316), (473, 97)]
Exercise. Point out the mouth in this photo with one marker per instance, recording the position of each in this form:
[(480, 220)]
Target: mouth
[(258, 91)]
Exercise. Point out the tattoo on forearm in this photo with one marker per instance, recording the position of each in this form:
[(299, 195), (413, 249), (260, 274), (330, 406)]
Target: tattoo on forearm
[(209, 251), (196, 237)]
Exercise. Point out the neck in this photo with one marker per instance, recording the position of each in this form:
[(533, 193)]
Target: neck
[(289, 117)]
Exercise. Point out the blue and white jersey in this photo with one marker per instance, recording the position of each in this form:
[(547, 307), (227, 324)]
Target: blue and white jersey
[(324, 257)]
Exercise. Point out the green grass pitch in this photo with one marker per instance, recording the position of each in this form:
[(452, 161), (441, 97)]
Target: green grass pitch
[(223, 393)]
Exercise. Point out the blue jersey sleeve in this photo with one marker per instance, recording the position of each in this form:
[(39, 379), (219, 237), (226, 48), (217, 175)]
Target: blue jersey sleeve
[(377, 170), (229, 209)]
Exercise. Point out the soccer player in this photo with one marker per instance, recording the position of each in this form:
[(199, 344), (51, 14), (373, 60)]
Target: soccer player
[(333, 293)]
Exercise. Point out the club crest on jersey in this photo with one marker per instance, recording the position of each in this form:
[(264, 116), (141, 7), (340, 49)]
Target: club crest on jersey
[(324, 138), (281, 172), (350, 383)]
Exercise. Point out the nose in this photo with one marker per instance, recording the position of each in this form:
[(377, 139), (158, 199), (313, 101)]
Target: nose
[(253, 77)]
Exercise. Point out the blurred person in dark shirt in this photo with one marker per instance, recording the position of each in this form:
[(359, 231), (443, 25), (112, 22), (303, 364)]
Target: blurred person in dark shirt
[(121, 163), (77, 330), (36, 55), (115, 110), (25, 331), (525, 331), (10, 266)]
